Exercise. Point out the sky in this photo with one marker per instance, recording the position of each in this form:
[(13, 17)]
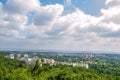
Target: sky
[(60, 24)]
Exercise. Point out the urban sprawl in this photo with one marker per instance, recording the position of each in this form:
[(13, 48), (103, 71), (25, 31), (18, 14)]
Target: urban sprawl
[(31, 60)]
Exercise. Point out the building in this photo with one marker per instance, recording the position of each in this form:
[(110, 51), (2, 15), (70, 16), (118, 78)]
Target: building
[(12, 56), (48, 61), (74, 64), (32, 61), (19, 55), (25, 55), (84, 65)]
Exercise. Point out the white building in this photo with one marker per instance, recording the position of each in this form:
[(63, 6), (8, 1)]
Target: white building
[(12, 56), (84, 65), (19, 55), (48, 61), (32, 61), (74, 64), (25, 55)]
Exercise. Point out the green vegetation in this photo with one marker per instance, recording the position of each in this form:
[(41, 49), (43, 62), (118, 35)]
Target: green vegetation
[(16, 70)]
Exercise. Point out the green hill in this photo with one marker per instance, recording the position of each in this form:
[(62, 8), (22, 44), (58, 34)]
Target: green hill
[(16, 70)]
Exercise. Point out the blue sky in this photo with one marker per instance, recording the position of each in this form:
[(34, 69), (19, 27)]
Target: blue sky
[(3, 1), (91, 7), (58, 24)]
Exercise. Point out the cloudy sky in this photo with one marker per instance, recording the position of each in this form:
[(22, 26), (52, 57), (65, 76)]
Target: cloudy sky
[(60, 24)]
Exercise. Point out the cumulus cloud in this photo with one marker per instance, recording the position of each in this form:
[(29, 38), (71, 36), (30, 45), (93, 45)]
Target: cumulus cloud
[(113, 34), (112, 3), (111, 15), (47, 15), (42, 19), (21, 6), (11, 25), (50, 27), (111, 18)]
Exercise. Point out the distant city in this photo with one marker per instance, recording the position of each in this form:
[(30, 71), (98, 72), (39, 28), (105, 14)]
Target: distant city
[(31, 60), (65, 51)]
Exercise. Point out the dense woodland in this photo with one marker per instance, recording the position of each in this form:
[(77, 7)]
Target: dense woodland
[(16, 70)]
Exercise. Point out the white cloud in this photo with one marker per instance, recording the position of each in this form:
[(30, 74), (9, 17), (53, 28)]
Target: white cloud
[(108, 1), (21, 6), (111, 3), (52, 29), (11, 25), (47, 14), (111, 12)]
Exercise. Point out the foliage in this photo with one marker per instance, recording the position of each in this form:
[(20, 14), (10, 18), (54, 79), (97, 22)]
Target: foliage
[(16, 70)]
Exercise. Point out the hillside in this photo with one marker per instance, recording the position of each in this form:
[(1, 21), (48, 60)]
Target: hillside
[(16, 70)]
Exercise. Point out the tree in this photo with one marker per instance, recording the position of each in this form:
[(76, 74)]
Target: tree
[(36, 67)]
